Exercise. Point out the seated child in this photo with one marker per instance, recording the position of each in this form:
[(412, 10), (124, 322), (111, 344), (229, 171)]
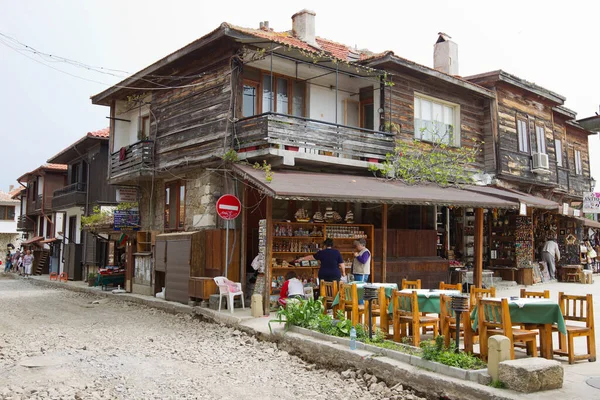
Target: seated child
[(292, 289)]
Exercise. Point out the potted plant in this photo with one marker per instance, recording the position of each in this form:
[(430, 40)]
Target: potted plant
[(91, 279)]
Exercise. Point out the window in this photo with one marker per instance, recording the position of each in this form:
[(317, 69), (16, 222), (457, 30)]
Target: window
[(298, 99), (144, 130), (7, 213), (250, 99), (437, 120), (367, 114), (523, 135), (174, 205), (578, 169), (540, 138), (559, 152)]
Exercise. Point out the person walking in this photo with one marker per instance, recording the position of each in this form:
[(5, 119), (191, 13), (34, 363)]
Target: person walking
[(28, 263), (551, 254)]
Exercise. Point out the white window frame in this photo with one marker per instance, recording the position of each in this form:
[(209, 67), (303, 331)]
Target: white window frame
[(523, 136), (540, 139), (559, 152), (455, 113), (578, 166)]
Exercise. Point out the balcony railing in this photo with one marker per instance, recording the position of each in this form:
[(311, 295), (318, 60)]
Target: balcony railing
[(312, 136), (132, 161), (71, 195), (24, 224)]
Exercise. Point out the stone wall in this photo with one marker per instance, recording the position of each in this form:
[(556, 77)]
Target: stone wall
[(6, 238)]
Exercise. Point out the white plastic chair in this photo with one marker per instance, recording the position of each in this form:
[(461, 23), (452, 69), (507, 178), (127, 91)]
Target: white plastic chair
[(224, 290)]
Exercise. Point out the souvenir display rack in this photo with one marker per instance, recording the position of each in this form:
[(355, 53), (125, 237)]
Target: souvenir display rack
[(293, 240)]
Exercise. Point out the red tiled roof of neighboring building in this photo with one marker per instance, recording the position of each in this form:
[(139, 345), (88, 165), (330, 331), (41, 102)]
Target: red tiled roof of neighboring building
[(6, 198), (102, 133), (16, 191), (56, 167)]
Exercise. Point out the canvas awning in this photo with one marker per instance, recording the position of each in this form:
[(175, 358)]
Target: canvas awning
[(33, 240), (591, 223), (296, 185), (514, 195), (51, 240)]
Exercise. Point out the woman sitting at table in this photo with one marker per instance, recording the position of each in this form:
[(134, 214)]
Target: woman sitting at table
[(332, 264), (292, 289)]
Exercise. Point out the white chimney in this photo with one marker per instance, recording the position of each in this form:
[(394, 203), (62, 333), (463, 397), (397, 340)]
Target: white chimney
[(445, 55), (303, 26)]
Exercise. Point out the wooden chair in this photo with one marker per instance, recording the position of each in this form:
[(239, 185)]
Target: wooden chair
[(380, 308), (534, 295), (478, 293), (406, 314), (349, 303), (449, 327), (411, 284), (580, 309), (329, 290), (494, 319), (449, 286)]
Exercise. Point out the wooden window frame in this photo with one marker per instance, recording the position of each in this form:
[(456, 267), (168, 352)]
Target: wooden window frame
[(526, 140), (144, 135), (537, 137), (257, 105), (259, 85), (361, 113), (5, 215), (456, 112), (179, 220)]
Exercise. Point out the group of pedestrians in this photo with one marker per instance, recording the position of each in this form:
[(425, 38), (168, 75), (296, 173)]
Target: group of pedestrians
[(19, 262)]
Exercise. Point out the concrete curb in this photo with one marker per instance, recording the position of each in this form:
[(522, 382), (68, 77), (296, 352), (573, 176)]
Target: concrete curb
[(325, 352)]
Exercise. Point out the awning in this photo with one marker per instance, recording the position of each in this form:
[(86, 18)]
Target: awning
[(51, 240), (509, 194), (591, 223), (33, 240), (295, 185)]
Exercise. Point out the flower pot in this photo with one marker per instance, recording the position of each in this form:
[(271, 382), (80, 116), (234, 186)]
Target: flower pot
[(373, 160), (291, 148)]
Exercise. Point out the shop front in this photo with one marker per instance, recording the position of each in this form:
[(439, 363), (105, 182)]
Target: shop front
[(407, 228)]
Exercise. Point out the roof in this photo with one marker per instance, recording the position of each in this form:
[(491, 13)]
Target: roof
[(49, 167), (514, 195), (6, 198), (502, 76), (564, 111), (295, 185), (16, 191), (33, 240), (81, 146), (389, 56), (590, 123)]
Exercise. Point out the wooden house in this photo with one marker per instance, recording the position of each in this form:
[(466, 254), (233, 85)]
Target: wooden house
[(86, 188)]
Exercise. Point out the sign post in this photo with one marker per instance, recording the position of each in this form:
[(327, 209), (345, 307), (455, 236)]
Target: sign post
[(228, 207)]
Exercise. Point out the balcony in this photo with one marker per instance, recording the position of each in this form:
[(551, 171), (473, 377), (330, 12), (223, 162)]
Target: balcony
[(69, 196), (37, 205), (24, 224), (311, 140), (132, 162)]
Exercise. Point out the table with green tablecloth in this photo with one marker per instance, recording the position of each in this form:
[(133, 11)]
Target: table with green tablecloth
[(542, 313), (360, 288), (429, 299)]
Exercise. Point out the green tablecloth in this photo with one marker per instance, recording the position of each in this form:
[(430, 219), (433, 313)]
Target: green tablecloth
[(429, 301), (360, 289), (531, 311)]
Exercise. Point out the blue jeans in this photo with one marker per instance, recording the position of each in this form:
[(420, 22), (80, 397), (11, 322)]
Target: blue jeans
[(7, 266), (361, 278)]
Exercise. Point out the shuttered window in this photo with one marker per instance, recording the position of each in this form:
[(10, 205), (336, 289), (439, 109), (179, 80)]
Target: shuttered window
[(523, 136)]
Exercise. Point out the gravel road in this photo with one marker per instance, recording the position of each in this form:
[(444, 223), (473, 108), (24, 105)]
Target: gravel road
[(57, 344)]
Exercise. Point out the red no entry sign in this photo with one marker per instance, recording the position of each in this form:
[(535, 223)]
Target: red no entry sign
[(229, 207)]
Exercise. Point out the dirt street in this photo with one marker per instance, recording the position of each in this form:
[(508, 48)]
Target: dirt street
[(56, 344)]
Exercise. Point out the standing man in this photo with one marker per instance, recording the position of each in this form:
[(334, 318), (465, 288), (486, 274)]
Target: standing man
[(361, 266), (551, 254), (28, 263), (8, 260)]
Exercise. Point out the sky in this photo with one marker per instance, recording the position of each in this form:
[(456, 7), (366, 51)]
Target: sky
[(42, 110)]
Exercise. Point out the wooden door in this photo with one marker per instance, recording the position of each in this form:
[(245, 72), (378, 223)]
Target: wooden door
[(178, 269)]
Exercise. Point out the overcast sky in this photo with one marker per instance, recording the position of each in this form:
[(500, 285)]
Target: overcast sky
[(551, 43)]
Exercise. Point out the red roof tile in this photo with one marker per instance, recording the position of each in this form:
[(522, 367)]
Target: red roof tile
[(102, 133), (6, 198), (56, 167), (16, 191)]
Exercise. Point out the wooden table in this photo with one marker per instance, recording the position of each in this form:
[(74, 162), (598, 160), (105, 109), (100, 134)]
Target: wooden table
[(568, 269), (534, 314)]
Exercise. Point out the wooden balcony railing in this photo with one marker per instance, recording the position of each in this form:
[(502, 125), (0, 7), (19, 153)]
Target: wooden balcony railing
[(71, 195), (132, 160), (312, 136), (24, 224)]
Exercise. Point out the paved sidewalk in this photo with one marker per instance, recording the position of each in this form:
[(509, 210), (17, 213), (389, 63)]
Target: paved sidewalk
[(574, 387)]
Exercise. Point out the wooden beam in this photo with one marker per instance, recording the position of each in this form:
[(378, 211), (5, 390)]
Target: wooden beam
[(384, 227), (268, 266), (478, 270)]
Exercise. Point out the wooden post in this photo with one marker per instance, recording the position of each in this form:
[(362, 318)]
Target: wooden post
[(268, 255), (384, 228), (244, 236), (478, 270)]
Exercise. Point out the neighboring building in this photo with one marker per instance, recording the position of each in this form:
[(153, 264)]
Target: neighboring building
[(39, 223), (86, 188), (9, 215)]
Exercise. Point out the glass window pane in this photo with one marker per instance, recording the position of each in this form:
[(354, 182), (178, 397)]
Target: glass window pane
[(437, 112), (368, 116), (267, 96), (282, 96), (249, 101), (558, 146), (181, 205), (298, 93)]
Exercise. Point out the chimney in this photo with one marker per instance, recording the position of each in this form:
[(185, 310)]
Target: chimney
[(10, 188), (303, 26), (445, 55)]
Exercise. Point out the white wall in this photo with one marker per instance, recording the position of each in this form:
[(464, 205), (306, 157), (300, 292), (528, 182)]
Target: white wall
[(126, 133), (10, 226)]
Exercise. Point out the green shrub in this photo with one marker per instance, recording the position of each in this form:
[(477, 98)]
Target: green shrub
[(438, 352)]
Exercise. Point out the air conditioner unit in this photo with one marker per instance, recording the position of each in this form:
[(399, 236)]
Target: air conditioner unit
[(540, 163)]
